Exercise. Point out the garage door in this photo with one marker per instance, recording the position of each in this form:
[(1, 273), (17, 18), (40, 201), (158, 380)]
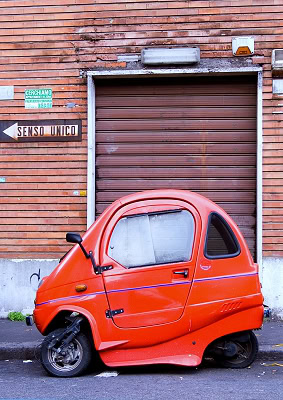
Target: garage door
[(197, 134)]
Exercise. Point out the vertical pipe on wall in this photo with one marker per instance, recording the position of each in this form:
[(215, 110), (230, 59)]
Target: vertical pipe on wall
[(90, 151), (259, 173)]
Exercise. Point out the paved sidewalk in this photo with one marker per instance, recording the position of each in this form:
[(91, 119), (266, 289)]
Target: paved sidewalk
[(18, 341)]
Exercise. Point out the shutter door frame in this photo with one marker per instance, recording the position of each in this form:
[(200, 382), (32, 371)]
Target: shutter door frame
[(93, 75)]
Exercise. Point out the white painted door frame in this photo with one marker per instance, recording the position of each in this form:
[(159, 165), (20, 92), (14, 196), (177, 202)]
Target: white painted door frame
[(92, 75)]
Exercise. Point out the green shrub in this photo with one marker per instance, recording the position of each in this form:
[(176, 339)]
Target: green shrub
[(16, 316)]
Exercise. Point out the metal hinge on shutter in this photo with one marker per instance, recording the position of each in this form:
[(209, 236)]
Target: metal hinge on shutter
[(112, 313)]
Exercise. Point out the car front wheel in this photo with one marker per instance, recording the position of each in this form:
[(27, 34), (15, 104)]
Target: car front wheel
[(72, 361)]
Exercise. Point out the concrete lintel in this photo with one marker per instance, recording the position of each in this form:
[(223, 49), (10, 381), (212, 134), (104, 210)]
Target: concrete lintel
[(230, 66)]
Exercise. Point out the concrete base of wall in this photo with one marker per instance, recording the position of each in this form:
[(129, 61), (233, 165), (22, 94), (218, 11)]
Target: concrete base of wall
[(272, 284), (17, 293)]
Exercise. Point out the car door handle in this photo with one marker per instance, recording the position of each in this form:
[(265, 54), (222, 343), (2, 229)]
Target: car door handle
[(185, 273)]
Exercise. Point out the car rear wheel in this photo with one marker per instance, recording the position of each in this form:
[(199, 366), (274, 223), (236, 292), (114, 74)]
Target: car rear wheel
[(239, 353), (71, 361)]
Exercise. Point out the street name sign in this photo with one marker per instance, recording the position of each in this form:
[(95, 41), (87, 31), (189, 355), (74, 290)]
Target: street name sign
[(41, 131)]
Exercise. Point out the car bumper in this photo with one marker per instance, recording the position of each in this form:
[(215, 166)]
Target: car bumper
[(29, 320)]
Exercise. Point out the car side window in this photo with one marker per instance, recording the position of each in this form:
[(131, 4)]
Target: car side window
[(220, 239), (153, 238)]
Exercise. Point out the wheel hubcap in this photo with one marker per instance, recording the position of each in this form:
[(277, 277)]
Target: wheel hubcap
[(243, 352), (68, 359)]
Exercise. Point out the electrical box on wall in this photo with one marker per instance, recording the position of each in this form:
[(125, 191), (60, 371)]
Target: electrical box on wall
[(243, 46), (277, 62), (277, 87)]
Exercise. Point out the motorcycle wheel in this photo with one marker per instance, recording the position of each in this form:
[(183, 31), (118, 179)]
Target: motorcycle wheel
[(246, 354), (74, 360)]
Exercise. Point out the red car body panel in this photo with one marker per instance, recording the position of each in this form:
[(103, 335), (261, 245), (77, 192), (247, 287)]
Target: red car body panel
[(169, 315)]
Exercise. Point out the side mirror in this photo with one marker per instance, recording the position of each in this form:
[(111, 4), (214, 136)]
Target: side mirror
[(73, 238), (76, 238)]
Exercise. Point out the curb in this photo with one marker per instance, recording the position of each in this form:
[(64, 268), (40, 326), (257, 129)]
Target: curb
[(20, 351), (269, 352), (31, 350)]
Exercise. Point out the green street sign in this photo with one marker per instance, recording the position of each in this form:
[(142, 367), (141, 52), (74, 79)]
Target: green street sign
[(38, 98)]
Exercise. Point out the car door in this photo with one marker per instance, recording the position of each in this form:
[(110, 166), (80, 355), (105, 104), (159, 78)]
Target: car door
[(152, 247)]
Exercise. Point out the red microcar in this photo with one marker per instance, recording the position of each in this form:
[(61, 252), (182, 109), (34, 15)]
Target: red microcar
[(162, 277)]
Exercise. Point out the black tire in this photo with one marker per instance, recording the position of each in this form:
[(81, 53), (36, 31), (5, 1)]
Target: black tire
[(245, 356), (73, 363)]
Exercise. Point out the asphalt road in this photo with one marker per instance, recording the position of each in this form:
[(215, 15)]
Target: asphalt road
[(27, 380)]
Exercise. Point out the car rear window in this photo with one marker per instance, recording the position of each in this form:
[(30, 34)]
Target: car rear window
[(220, 239)]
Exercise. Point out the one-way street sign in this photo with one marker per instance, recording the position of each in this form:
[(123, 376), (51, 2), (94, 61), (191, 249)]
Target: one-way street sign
[(41, 130)]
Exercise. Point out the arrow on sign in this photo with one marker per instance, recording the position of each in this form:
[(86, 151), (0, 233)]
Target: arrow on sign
[(12, 131)]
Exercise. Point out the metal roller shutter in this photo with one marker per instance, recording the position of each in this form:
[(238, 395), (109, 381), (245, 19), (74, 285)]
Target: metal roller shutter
[(196, 134)]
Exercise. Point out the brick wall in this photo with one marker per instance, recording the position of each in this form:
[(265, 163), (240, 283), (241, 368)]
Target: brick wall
[(45, 43)]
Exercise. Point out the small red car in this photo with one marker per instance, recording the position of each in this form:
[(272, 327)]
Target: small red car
[(162, 276)]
